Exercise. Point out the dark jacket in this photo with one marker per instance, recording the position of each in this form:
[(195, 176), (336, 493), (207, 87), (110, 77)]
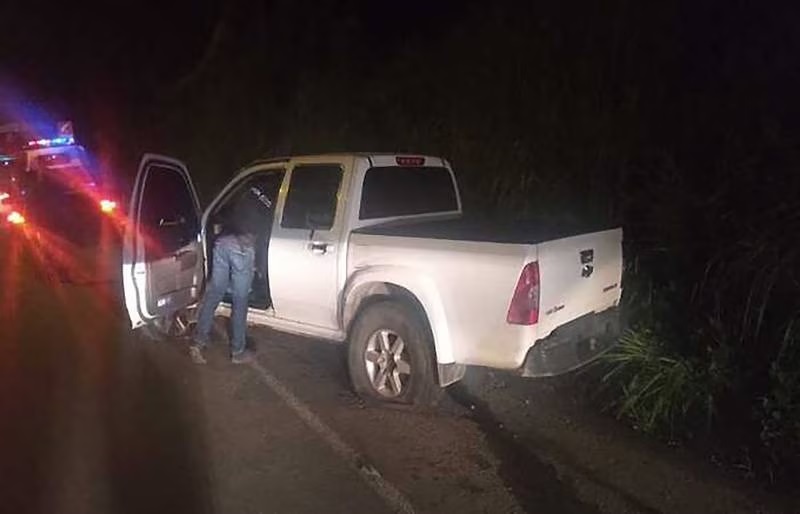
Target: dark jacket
[(250, 214)]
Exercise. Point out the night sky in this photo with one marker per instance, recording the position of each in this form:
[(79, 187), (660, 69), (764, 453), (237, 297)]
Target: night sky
[(56, 49), (60, 55), (96, 62), (63, 53)]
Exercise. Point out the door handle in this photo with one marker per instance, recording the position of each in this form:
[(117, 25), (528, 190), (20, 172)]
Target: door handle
[(182, 253), (319, 248), (171, 222)]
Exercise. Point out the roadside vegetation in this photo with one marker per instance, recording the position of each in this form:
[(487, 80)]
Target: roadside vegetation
[(640, 115)]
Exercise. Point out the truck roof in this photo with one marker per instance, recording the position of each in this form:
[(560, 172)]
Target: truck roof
[(367, 155)]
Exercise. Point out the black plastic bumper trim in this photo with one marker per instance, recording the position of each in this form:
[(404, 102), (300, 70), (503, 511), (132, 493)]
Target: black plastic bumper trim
[(573, 345)]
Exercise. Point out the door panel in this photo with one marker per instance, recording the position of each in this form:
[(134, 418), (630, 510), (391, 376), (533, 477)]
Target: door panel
[(162, 254), (304, 255)]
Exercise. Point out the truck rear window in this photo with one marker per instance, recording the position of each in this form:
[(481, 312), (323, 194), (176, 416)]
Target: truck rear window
[(405, 191)]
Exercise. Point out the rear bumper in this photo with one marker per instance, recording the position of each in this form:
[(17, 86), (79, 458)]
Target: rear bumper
[(573, 345)]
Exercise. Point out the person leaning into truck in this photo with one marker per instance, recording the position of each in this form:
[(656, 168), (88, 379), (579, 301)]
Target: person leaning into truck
[(233, 265)]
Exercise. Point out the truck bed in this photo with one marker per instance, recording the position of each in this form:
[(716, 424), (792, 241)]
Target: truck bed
[(483, 230), (470, 270)]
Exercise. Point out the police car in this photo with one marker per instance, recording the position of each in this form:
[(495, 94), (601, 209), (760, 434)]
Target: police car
[(47, 182)]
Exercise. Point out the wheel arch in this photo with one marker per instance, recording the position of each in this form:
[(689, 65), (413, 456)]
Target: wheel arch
[(417, 293)]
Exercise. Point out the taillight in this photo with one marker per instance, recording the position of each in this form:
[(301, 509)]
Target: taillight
[(405, 160), (524, 308), (108, 206)]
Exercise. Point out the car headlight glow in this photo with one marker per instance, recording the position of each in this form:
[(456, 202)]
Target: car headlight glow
[(15, 218)]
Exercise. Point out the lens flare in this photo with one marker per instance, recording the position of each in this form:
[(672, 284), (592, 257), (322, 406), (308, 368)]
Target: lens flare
[(15, 218), (108, 206)]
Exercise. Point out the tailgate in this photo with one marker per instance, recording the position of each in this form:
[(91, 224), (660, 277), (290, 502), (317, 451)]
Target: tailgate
[(578, 275)]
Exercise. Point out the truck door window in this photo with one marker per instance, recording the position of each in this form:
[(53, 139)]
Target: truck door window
[(311, 202), (168, 215)]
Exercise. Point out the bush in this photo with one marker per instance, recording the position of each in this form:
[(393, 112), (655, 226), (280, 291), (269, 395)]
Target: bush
[(710, 355), (779, 412), (660, 391)]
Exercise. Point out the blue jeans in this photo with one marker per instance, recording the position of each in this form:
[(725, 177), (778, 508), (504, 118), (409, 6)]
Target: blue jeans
[(233, 266)]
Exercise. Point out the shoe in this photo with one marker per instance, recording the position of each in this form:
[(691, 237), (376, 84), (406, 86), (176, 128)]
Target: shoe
[(197, 355), (242, 357)]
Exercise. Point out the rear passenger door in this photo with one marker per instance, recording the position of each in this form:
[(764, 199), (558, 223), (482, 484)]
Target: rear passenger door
[(305, 257)]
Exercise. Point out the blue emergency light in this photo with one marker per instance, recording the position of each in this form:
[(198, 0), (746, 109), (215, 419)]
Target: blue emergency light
[(63, 136), (56, 141)]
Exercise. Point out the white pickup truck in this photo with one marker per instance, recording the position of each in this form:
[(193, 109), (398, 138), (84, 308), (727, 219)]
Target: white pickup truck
[(372, 250)]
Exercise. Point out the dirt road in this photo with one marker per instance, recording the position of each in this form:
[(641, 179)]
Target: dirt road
[(92, 419)]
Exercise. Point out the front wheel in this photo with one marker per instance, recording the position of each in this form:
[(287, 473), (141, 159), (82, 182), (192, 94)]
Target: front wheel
[(390, 356)]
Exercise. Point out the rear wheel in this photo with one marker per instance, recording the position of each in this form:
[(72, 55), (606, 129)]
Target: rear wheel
[(390, 356)]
